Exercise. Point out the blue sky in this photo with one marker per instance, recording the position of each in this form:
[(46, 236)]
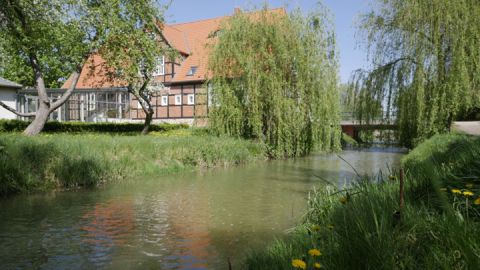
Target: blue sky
[(345, 13)]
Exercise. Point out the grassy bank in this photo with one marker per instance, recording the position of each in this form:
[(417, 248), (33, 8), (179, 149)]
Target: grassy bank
[(439, 227), (68, 161)]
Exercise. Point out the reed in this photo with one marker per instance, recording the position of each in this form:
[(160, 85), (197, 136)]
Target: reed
[(360, 228), (49, 161)]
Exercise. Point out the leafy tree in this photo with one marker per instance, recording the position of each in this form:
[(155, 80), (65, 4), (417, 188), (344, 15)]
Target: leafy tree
[(45, 33), (16, 67), (132, 50), (275, 80), (426, 60)]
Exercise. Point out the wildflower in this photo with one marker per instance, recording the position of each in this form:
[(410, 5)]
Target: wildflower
[(456, 191), (316, 228), (317, 265), (468, 193), (469, 185), (314, 252), (299, 264), (392, 177), (343, 200), (477, 201)]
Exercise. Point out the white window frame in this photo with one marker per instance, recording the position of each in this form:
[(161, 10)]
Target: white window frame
[(159, 67), (191, 99), (178, 99), (92, 101), (192, 70), (164, 101)]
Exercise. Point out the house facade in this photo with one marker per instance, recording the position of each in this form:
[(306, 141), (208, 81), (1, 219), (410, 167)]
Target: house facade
[(8, 95), (183, 96)]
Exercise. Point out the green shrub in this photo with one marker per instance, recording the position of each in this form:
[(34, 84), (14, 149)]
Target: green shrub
[(54, 126)]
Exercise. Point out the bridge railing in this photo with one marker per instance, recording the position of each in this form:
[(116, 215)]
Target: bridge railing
[(385, 117)]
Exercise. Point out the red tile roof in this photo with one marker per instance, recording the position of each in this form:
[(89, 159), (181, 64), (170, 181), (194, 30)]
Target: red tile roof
[(190, 39)]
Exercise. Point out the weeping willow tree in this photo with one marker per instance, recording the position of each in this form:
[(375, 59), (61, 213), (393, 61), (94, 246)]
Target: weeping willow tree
[(275, 80), (427, 65)]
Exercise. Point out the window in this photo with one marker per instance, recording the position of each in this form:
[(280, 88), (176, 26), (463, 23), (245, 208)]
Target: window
[(31, 104), (160, 66), (178, 99), (164, 101), (192, 71), (215, 33), (139, 105), (92, 101), (191, 99)]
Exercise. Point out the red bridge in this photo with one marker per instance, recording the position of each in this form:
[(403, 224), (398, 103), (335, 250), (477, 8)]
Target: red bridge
[(352, 126)]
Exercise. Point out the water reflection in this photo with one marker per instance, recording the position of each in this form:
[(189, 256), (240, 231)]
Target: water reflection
[(186, 221)]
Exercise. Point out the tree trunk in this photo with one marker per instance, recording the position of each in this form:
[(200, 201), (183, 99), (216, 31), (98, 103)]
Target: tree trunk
[(148, 121), (38, 123)]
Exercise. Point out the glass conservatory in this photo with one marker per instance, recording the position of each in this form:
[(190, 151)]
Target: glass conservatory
[(84, 105)]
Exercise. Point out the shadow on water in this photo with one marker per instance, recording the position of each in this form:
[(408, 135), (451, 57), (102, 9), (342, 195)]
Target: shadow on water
[(184, 221)]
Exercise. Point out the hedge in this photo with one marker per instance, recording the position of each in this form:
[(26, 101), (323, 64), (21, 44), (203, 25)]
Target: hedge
[(54, 126)]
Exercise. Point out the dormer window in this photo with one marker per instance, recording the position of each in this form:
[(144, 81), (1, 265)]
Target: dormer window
[(215, 33), (192, 71), (159, 67)]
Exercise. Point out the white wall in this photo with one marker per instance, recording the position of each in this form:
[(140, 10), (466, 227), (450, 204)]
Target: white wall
[(9, 97)]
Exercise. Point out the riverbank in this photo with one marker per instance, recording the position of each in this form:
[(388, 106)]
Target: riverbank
[(361, 228), (67, 161)]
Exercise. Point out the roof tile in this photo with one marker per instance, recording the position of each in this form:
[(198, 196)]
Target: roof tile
[(191, 39)]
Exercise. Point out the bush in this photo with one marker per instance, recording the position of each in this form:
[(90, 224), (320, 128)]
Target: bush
[(54, 126)]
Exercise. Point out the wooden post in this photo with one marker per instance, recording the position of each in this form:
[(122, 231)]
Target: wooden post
[(119, 103), (82, 107), (402, 176)]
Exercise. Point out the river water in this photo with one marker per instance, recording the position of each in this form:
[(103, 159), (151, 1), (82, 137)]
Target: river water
[(185, 221)]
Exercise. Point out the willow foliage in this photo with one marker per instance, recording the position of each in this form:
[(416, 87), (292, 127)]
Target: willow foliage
[(275, 80), (427, 60)]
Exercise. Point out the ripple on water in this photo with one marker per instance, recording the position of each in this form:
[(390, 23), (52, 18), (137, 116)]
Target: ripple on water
[(186, 221)]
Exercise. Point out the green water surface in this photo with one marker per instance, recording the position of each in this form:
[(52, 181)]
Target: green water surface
[(186, 221)]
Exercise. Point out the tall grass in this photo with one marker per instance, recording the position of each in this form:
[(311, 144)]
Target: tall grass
[(437, 229), (67, 161)]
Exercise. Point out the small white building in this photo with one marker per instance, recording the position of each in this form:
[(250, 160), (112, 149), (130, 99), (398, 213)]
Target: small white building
[(8, 95)]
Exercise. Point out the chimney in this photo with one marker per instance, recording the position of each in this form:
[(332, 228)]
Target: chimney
[(236, 10)]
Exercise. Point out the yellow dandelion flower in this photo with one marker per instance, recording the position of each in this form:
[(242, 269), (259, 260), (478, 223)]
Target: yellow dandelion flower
[(468, 193), (477, 201), (343, 200), (317, 265), (456, 191), (316, 228), (469, 185), (299, 264), (314, 252)]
